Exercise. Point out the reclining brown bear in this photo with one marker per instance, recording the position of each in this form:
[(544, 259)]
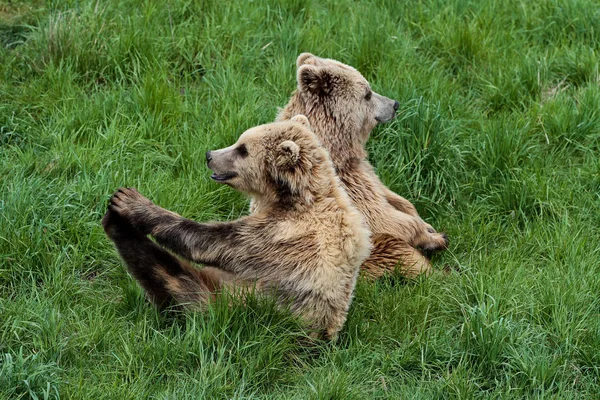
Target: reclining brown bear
[(304, 244), (343, 110)]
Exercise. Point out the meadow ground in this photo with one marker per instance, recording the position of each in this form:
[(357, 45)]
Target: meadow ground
[(497, 143)]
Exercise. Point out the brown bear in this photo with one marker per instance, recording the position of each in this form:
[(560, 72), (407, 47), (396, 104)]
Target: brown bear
[(343, 110), (303, 245)]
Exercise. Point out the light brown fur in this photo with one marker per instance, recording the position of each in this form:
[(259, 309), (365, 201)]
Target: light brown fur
[(303, 245), (343, 110)]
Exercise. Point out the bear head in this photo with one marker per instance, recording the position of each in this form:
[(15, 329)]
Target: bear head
[(280, 163), (339, 102)]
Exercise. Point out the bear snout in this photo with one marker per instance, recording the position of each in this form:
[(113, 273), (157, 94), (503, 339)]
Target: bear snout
[(208, 157), (396, 105)]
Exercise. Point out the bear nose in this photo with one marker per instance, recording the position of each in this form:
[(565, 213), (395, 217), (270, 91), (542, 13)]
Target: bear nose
[(208, 157), (396, 106)]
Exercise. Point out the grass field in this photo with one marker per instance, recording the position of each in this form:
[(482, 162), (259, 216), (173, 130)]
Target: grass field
[(497, 143)]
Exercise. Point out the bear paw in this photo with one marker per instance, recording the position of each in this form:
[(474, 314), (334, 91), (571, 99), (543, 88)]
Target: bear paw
[(115, 226), (433, 243), (127, 201), (131, 207)]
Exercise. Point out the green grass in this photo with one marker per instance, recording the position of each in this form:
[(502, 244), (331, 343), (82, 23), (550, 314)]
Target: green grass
[(497, 143)]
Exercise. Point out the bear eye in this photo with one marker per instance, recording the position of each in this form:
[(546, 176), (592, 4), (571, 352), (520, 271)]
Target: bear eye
[(242, 150), (368, 95)]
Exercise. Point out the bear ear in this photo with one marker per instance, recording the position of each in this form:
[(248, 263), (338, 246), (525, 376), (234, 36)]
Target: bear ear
[(304, 58), (288, 154), (302, 120), (314, 79)]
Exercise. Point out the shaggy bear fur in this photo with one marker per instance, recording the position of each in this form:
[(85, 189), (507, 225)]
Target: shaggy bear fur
[(343, 110), (304, 243)]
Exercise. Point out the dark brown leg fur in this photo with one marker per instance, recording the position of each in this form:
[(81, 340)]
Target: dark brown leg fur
[(166, 280)]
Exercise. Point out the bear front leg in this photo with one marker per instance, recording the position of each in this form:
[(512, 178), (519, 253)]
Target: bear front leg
[(139, 211), (416, 232), (400, 203), (427, 238), (206, 243), (393, 199)]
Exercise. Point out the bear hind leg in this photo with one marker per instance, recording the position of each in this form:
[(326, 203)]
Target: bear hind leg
[(390, 253), (166, 280)]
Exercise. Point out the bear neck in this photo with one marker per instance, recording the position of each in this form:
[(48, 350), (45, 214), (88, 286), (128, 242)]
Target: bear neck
[(344, 142), (310, 196)]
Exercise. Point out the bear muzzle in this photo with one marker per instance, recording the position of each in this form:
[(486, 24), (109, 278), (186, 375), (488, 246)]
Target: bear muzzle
[(385, 108), (219, 163)]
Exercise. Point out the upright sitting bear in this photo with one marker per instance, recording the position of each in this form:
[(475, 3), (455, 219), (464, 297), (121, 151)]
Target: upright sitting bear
[(343, 110), (304, 244)]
